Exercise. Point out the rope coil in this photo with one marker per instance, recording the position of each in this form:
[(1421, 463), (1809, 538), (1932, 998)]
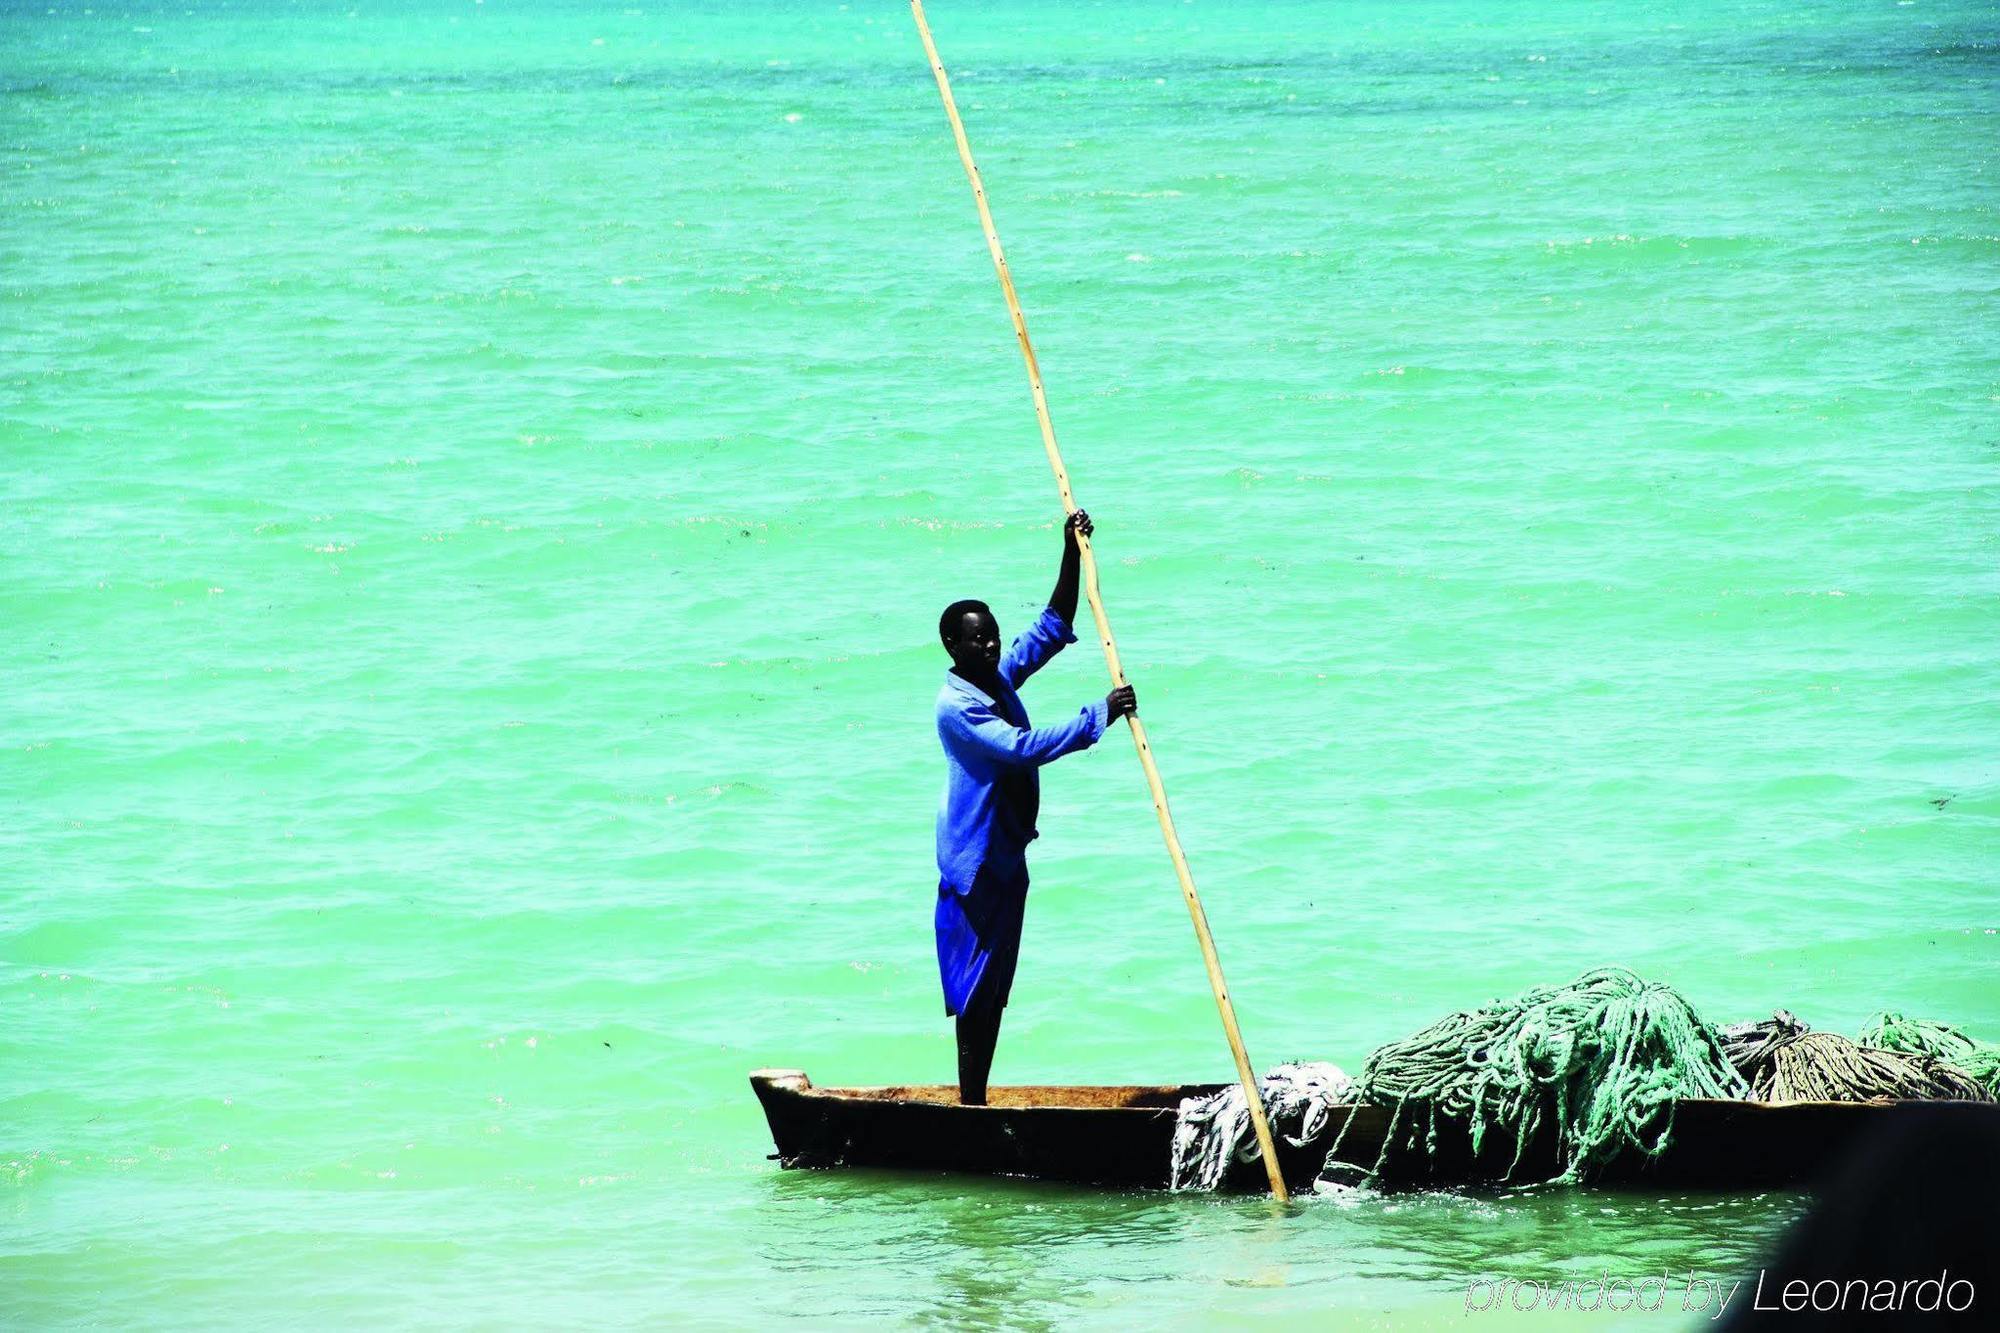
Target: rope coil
[(1803, 1066), (1922, 1036), (1602, 1060)]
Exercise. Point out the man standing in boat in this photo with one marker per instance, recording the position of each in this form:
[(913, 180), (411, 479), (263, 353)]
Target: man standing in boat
[(991, 796)]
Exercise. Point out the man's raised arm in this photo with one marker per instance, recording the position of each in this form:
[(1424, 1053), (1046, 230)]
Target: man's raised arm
[(1063, 600)]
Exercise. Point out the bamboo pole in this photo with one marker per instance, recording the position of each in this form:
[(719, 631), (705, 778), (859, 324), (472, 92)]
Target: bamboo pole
[(1249, 1080)]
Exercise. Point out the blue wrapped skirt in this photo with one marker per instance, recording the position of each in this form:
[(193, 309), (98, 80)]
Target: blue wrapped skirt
[(979, 936)]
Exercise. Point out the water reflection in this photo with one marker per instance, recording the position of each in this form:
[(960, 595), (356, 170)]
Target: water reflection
[(1023, 1254)]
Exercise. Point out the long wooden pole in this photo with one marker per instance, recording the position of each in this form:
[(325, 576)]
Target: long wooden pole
[(1258, 1119)]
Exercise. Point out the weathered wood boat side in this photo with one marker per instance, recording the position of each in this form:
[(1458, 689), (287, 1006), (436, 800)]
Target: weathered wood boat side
[(1123, 1136)]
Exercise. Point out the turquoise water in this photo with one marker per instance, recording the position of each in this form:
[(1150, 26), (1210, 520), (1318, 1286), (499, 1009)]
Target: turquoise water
[(480, 480)]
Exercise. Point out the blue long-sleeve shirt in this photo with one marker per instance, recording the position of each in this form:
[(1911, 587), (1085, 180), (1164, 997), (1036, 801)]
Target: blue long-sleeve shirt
[(991, 791)]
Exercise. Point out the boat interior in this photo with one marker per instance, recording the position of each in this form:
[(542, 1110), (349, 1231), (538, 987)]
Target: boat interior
[(1113, 1098)]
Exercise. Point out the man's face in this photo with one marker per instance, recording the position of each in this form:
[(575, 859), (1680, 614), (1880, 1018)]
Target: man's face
[(975, 645)]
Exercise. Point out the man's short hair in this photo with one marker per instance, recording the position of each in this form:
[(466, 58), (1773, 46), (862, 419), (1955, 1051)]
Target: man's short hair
[(948, 622)]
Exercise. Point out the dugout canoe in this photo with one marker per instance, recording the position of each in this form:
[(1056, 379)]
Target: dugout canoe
[(1122, 1137)]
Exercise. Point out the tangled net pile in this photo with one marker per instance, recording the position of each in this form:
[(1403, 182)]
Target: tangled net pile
[(1604, 1058), (1596, 1065), (1782, 1061), (1921, 1036), (1213, 1131)]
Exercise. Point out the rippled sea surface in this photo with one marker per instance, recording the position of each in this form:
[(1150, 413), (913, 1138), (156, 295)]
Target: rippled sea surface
[(480, 478)]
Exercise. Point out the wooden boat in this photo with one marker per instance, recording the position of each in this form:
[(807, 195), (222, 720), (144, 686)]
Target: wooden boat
[(1123, 1136)]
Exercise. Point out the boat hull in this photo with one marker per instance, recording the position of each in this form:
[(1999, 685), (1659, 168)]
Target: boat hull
[(1122, 1137)]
